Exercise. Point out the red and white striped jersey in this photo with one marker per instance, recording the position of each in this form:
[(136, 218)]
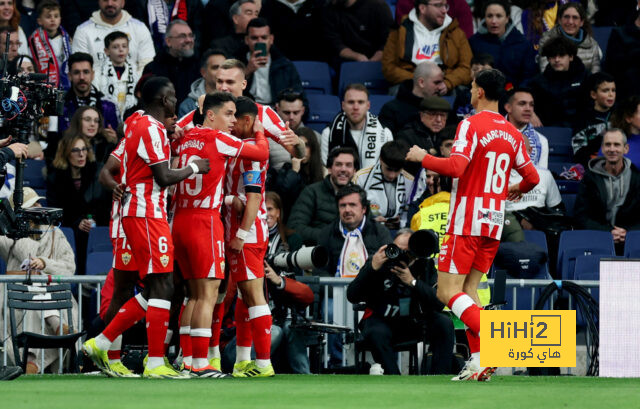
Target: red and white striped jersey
[(115, 228), (245, 174), (492, 146), (146, 144), (205, 191)]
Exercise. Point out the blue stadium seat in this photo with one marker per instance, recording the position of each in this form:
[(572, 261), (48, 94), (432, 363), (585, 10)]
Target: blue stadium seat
[(99, 240), (71, 238), (317, 126), (451, 99), (587, 268), (568, 186), (3, 267), (601, 35), (632, 244), (377, 101), (556, 134), (569, 200), (315, 76), (33, 176), (574, 243), (99, 263), (322, 109), (560, 152), (368, 73)]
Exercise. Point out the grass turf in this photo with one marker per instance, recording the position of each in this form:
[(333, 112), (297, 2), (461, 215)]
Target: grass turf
[(326, 391)]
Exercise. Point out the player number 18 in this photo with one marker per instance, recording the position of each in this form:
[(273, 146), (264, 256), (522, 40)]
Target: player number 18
[(496, 172)]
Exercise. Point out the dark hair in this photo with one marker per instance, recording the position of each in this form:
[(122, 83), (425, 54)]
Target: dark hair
[(46, 5), (258, 22), (586, 25), (448, 133), (289, 95), (153, 89), (313, 168), (277, 203), (559, 46), (339, 150), (351, 189), (357, 87), (80, 57), (492, 82), (598, 78), (13, 67), (216, 99), (483, 59), (625, 111), (211, 51), (502, 3), (393, 153), (512, 92), (114, 35), (246, 106)]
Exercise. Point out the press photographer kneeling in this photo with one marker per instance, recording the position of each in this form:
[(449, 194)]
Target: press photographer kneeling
[(397, 285)]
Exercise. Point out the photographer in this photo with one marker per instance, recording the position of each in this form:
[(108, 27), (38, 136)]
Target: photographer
[(9, 152), (400, 301)]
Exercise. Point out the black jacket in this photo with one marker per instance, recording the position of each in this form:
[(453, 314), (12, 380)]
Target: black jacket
[(315, 208), (401, 110), (282, 74), (623, 59), (232, 45), (181, 72)]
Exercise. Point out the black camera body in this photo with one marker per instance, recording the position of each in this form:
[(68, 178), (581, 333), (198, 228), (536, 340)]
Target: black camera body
[(422, 244)]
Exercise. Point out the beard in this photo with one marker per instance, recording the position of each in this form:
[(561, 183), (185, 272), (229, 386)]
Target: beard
[(186, 53)]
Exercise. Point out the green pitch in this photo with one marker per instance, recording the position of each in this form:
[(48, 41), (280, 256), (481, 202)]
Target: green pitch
[(325, 391)]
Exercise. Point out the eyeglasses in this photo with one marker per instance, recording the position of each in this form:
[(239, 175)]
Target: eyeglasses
[(444, 6), (79, 150), (183, 36), (89, 119)]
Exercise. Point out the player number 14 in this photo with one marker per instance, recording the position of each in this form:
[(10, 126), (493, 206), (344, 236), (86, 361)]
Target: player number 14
[(496, 172)]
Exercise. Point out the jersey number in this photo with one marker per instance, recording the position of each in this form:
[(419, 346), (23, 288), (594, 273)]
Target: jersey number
[(496, 172), (193, 184)]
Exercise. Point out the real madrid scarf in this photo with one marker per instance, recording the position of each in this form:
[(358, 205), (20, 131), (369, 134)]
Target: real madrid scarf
[(369, 143), (534, 142), (119, 91), (381, 203), (45, 58), (353, 254), (159, 18)]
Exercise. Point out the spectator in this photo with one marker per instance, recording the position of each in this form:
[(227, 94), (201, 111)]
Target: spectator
[(458, 9), (356, 30), (573, 24), (81, 93), (607, 197), (209, 65), (267, 74), (538, 17), (233, 44), (51, 44), (381, 284), (177, 61), (48, 254), (21, 64), (587, 132), (88, 122), (14, 44), (512, 53), (519, 106), (290, 106), (627, 118), (89, 36), (623, 56), (10, 17), (295, 26), (356, 127), (389, 187), (428, 80), (428, 34), (116, 78), (558, 90), (219, 11), (462, 104), (316, 206), (424, 130), (28, 15), (73, 185)]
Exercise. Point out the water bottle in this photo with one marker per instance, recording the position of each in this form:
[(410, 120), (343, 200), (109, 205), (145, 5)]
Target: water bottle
[(91, 221)]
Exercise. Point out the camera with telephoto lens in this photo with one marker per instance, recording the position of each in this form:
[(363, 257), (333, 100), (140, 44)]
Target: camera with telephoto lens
[(304, 259), (422, 244)]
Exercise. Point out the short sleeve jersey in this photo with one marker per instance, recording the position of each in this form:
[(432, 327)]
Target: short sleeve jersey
[(205, 191), (493, 147), (146, 145), (115, 228)]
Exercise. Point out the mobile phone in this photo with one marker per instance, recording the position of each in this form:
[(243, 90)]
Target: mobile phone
[(262, 47)]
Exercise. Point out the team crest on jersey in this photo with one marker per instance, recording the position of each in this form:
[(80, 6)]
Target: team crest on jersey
[(490, 216), (164, 259), (126, 258), (222, 266)]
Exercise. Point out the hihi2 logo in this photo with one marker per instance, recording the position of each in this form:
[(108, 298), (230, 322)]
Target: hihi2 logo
[(528, 338)]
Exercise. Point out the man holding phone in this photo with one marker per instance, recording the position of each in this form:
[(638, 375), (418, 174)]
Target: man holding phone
[(268, 71)]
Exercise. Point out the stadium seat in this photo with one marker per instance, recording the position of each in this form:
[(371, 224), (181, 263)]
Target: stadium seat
[(601, 35), (574, 243), (71, 238), (368, 73), (556, 134), (569, 200), (317, 126), (377, 101), (33, 176), (560, 152), (99, 240), (315, 76), (99, 263), (557, 168), (632, 244), (568, 186), (322, 109), (3, 267)]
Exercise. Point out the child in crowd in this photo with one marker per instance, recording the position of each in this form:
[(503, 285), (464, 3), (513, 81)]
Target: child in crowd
[(51, 45), (116, 78)]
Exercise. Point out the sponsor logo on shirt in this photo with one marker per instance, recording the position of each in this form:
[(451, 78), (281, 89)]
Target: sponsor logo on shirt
[(428, 52)]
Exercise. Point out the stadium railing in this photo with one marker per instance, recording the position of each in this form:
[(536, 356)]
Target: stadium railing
[(342, 309)]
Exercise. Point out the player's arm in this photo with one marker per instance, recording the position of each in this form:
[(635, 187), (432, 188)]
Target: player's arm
[(248, 218), (453, 166), (167, 177), (294, 145), (106, 177), (530, 178)]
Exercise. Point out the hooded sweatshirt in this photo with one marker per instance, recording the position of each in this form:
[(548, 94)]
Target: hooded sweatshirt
[(426, 46), (189, 104), (617, 186), (89, 38)]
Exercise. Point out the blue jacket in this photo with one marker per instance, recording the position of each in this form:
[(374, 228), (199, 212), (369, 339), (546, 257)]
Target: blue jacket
[(513, 53)]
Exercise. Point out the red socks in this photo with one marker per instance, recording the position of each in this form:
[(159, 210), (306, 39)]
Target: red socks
[(131, 312), (466, 309), (260, 316), (200, 342), (157, 324), (216, 324), (243, 326)]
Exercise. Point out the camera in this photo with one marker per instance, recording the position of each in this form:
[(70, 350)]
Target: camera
[(304, 259), (422, 244)]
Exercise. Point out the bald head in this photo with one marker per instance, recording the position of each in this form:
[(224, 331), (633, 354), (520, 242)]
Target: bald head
[(428, 80)]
